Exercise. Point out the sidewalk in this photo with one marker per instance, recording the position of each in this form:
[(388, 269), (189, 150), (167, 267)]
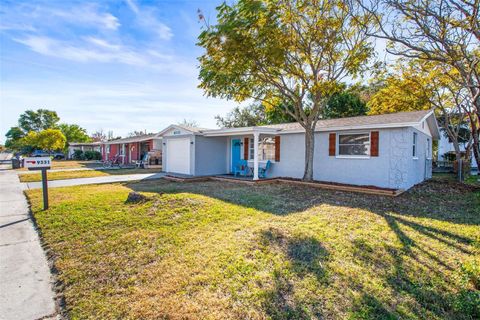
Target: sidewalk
[(26, 283), (95, 180)]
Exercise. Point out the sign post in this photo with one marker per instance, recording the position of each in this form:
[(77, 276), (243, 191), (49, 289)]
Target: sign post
[(43, 164)]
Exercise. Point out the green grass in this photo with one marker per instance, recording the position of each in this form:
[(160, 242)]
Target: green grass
[(62, 175), (215, 250), (70, 164)]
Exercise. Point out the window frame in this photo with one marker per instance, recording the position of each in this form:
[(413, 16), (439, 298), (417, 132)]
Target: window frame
[(346, 156), (251, 149), (415, 145)]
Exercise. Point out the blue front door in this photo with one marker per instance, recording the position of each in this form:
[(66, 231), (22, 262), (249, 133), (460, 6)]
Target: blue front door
[(236, 146)]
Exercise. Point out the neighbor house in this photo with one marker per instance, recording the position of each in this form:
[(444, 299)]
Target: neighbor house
[(83, 146), (389, 151), (445, 148), (133, 149)]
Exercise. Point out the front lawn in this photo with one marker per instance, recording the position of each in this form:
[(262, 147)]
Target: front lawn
[(71, 164), (62, 175), (215, 250)]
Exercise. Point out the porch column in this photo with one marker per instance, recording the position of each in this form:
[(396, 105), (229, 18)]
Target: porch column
[(123, 153), (255, 155)]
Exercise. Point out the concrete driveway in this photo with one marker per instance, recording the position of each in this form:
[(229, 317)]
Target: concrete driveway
[(26, 283)]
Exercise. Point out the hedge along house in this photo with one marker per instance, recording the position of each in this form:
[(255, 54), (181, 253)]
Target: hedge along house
[(132, 149), (82, 146), (388, 151)]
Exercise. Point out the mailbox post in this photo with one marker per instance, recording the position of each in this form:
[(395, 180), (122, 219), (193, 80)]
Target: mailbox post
[(43, 164)]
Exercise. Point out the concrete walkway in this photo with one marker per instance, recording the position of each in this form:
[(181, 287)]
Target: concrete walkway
[(95, 180), (25, 280)]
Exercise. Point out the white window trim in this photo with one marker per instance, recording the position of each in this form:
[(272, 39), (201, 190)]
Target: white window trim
[(250, 143), (344, 156), (415, 144)]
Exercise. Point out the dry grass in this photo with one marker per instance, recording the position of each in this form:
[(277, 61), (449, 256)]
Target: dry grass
[(71, 164), (62, 175), (215, 250)]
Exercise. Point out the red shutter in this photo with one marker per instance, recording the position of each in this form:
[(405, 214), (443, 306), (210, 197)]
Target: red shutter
[(245, 148), (374, 144), (331, 144), (277, 148)]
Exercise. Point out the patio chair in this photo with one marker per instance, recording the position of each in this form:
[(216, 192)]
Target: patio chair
[(241, 168), (262, 172), (141, 163)]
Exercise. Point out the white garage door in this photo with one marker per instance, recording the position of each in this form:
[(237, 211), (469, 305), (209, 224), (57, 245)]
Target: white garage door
[(178, 155)]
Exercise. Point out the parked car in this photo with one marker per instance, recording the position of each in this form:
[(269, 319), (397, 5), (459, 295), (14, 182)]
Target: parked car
[(42, 153)]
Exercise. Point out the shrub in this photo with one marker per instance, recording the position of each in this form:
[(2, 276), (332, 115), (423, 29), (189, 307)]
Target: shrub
[(78, 155), (93, 155)]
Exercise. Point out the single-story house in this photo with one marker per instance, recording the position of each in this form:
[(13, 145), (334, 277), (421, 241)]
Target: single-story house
[(83, 146), (389, 151), (131, 149)]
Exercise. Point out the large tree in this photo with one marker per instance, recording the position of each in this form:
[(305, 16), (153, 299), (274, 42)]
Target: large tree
[(344, 104), (74, 133), (290, 51), (14, 137), (422, 85), (446, 32), (38, 120), (48, 140)]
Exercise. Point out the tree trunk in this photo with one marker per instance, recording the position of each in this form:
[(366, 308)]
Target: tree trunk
[(475, 135), (475, 148), (309, 149), (458, 157)]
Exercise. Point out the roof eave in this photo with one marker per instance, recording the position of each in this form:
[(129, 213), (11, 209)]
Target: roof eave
[(239, 131)]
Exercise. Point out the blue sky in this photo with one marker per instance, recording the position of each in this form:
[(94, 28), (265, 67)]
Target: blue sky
[(111, 65)]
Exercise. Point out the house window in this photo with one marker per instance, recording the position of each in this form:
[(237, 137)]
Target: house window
[(357, 144), (107, 149), (250, 149), (414, 146), (266, 149), (428, 149)]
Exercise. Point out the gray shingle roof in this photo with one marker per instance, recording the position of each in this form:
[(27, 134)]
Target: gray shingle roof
[(132, 139), (383, 119)]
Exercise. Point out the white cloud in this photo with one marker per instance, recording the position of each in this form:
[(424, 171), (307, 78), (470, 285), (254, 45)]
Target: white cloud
[(101, 52), (132, 5), (35, 16), (93, 49), (146, 17), (87, 14)]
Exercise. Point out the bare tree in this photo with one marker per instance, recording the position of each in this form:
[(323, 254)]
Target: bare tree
[(137, 133), (98, 135), (189, 123)]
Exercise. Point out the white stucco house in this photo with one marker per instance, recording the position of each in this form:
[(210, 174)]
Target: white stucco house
[(388, 151)]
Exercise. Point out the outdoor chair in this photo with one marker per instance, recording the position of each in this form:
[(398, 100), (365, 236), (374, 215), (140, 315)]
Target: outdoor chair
[(241, 168), (141, 163), (262, 172)]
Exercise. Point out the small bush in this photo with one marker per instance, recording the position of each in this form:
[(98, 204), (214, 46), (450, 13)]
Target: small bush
[(78, 155), (93, 155)]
